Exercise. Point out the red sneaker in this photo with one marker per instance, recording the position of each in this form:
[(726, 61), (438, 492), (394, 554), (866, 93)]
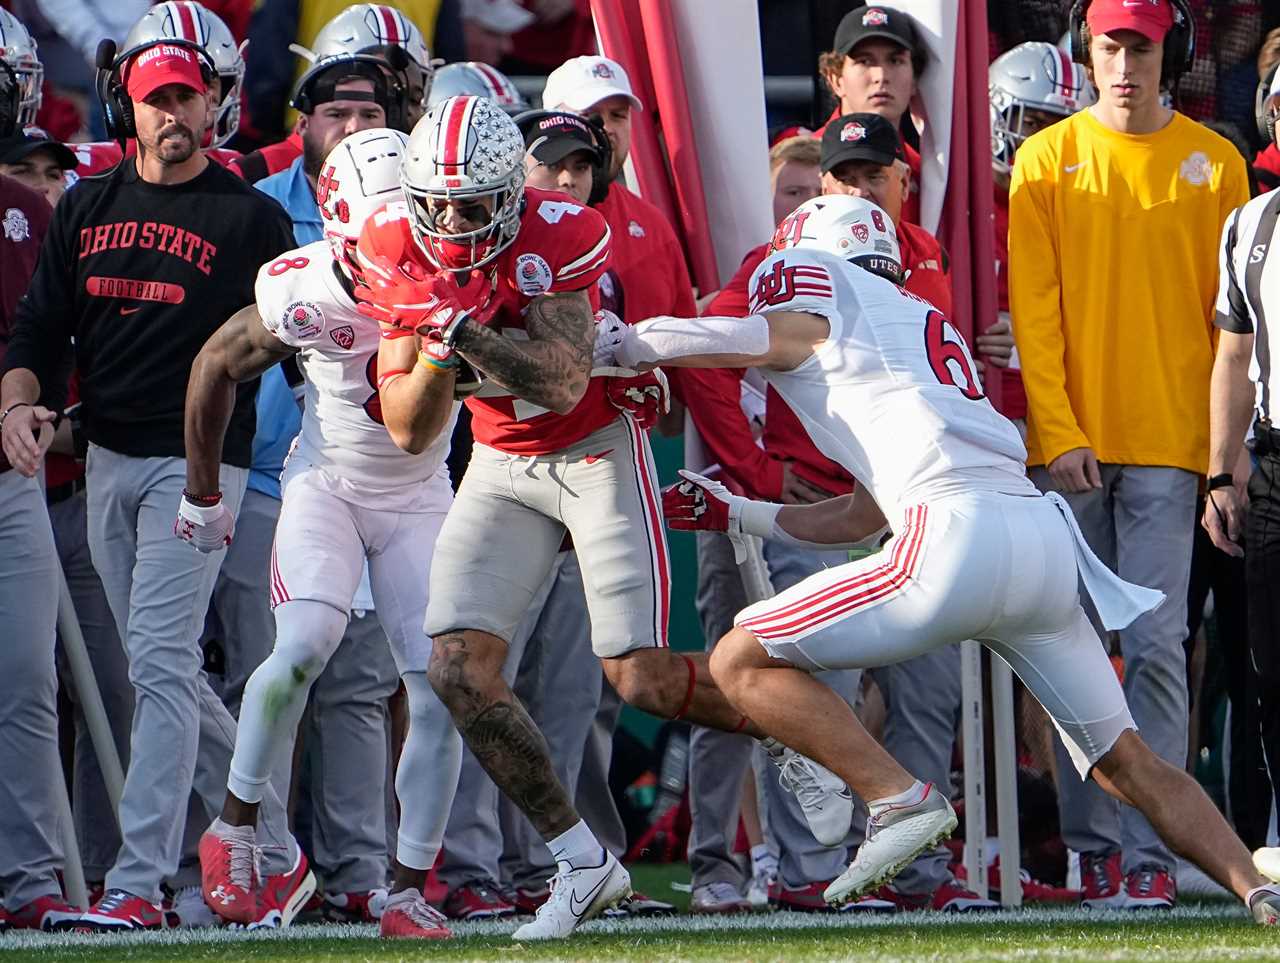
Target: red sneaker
[(118, 912), (282, 897), (409, 916), (526, 899), (1150, 887), (1103, 881), (1033, 890), (45, 913), (355, 907), (477, 900), (809, 899), (229, 871)]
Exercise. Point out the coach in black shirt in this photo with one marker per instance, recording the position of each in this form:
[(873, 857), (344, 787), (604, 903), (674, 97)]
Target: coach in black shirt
[(140, 266)]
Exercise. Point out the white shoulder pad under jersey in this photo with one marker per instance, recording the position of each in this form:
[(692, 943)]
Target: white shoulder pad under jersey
[(793, 280), (289, 292)]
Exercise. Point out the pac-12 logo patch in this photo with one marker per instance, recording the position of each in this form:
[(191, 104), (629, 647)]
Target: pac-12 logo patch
[(533, 275), (303, 319), (344, 336)]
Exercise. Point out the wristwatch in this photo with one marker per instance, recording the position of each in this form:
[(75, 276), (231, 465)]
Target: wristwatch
[(1219, 481)]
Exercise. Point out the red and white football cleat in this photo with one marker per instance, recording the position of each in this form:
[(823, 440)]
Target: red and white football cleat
[(229, 871), (119, 911), (281, 898), (45, 913), (407, 915)]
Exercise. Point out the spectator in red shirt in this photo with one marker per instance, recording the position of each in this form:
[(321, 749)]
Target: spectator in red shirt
[(874, 67)]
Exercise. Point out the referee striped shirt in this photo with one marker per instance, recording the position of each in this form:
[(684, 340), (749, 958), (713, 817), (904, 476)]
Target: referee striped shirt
[(1249, 288)]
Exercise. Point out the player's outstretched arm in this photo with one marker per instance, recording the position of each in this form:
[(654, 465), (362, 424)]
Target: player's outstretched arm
[(553, 367), (779, 340), (240, 350), (415, 391)]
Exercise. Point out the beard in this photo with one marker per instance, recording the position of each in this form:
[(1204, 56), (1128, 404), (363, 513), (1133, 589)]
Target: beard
[(313, 155), (175, 144)]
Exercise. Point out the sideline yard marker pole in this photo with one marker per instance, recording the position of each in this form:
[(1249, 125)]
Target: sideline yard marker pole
[(1006, 753), (975, 791)]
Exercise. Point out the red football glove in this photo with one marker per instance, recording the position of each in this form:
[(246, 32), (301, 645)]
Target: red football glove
[(646, 398), (395, 295), (458, 297), (700, 504)]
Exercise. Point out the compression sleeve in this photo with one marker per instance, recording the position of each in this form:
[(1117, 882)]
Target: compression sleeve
[(665, 339)]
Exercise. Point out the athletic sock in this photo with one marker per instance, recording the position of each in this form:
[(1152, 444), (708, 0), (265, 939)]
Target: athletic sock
[(908, 797), (576, 847)]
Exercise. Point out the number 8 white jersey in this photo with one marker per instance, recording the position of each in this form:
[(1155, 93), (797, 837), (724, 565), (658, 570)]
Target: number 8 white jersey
[(893, 395), (303, 303)]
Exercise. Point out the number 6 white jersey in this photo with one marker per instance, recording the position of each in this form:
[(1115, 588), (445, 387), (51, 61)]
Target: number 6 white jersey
[(893, 395), (303, 303)]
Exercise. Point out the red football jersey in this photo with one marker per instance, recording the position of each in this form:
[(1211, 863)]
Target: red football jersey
[(98, 156), (561, 246)]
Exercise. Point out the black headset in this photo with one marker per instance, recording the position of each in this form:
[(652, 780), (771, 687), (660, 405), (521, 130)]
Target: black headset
[(117, 107), (387, 72), (604, 150), (1179, 42), (1266, 120), (10, 101)]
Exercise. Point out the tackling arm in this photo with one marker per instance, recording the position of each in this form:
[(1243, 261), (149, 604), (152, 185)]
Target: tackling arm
[(553, 367), (416, 393), (240, 350), (779, 340)]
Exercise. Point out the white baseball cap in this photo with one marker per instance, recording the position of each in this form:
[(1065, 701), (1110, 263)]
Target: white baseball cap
[(582, 82), (500, 16)]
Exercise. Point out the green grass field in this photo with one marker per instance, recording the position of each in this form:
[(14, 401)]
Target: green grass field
[(1207, 931)]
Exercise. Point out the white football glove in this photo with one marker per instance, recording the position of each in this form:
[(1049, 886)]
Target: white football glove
[(609, 334), (207, 527)]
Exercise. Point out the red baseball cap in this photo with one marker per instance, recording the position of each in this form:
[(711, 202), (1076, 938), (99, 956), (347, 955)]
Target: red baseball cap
[(1151, 18), (163, 63)]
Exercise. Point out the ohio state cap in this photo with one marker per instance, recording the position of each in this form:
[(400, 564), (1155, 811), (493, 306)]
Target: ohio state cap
[(862, 23), (861, 137), (553, 137), (580, 83), (1151, 18), (163, 63)]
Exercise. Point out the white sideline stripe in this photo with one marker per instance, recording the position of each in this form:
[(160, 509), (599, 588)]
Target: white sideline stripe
[(52, 943)]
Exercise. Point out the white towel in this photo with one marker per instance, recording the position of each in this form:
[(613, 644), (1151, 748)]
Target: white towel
[(1118, 602)]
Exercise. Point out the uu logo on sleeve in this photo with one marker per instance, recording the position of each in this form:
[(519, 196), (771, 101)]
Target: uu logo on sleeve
[(533, 275), (303, 320)]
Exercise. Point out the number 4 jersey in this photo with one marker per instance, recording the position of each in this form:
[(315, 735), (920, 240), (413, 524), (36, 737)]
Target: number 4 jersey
[(304, 304), (893, 395)]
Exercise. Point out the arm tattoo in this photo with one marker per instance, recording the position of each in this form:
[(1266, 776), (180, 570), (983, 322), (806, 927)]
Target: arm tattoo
[(502, 737), (553, 365)]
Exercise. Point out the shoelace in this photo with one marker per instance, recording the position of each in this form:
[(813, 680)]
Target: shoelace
[(1098, 872), (797, 774), (422, 913), (243, 863), (114, 900)]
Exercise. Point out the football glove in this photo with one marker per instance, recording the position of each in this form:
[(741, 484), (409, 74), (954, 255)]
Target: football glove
[(701, 504), (207, 527), (646, 398), (609, 333)]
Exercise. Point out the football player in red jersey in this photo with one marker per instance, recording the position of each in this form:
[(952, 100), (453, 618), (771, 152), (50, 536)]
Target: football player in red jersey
[(503, 277)]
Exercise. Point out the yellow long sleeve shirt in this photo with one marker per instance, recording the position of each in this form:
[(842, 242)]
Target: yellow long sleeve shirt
[(1113, 270)]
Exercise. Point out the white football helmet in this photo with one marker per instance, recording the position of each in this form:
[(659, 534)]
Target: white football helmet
[(464, 149), (18, 50), (365, 27), (1031, 76), (191, 23), (478, 80), (852, 228), (360, 175)]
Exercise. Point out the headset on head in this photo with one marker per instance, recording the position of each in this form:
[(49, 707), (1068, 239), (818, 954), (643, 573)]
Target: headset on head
[(392, 67), (1266, 121), (1179, 42), (10, 101), (600, 169), (117, 107)]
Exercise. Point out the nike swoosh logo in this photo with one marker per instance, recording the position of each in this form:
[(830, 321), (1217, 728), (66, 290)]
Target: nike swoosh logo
[(574, 902), (1072, 168), (130, 310), (592, 459)]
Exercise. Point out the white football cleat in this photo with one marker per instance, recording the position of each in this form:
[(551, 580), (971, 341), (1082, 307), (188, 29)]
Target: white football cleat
[(1267, 862), (577, 896), (824, 799), (896, 835)]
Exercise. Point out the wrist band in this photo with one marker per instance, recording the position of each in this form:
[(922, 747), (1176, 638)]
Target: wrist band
[(390, 376), (1219, 481), (757, 518), (205, 501), (427, 361), (12, 407)]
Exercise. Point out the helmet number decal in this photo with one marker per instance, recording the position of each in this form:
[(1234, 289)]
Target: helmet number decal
[(949, 356)]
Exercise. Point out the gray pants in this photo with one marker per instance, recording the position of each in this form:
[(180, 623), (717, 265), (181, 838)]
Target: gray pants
[(554, 633), (1141, 523), (182, 735), (802, 860), (592, 797), (345, 733), (30, 855), (97, 834), (718, 761)]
